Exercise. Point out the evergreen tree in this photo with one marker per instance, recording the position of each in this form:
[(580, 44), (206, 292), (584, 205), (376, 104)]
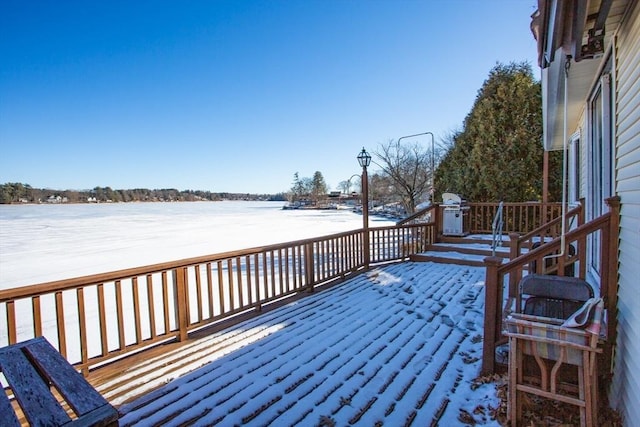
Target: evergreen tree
[(318, 187), (498, 155), (297, 188)]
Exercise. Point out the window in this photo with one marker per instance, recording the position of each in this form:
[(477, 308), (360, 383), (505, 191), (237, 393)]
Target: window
[(600, 158)]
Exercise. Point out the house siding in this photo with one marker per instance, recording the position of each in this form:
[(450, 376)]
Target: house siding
[(625, 392)]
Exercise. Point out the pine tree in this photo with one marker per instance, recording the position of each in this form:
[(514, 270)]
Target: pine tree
[(318, 187)]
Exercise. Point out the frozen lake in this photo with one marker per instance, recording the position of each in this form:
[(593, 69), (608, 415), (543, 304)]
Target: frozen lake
[(41, 243)]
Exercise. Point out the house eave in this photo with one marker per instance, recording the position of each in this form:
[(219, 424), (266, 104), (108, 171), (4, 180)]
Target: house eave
[(577, 31), (553, 98)]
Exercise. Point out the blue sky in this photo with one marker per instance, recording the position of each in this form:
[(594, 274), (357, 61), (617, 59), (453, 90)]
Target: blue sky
[(236, 96)]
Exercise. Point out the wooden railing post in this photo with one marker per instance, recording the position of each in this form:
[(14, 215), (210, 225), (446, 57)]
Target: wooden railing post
[(514, 245), (366, 247), (309, 266), (437, 221), (492, 313), (182, 314)]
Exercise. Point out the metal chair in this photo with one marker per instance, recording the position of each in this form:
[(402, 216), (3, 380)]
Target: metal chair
[(552, 296), (539, 328)]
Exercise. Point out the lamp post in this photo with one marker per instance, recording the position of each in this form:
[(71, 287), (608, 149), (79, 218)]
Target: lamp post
[(349, 182), (433, 156), (433, 150), (364, 159)]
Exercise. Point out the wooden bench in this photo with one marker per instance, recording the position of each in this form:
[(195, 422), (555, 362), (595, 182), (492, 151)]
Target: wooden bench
[(48, 390)]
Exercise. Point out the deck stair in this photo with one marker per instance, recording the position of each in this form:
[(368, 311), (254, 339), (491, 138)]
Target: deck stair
[(468, 250)]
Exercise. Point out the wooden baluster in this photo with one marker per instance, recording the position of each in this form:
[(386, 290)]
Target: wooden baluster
[(247, 269), (152, 309), (82, 320), (11, 322), (165, 302), (102, 316), (198, 292), (62, 334), (120, 315), (210, 289), (37, 316), (240, 282), (136, 309)]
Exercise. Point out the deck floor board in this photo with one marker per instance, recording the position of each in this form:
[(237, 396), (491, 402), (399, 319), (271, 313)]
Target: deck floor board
[(397, 345)]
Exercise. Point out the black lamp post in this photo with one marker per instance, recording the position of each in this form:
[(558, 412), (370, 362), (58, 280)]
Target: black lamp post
[(364, 159)]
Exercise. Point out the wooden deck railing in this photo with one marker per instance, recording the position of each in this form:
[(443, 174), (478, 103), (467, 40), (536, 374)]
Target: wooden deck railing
[(502, 279), (573, 218), (547, 232), (519, 218), (94, 319)]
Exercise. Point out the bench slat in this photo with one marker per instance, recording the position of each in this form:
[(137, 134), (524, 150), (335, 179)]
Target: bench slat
[(103, 416), (9, 418), (70, 383), (38, 404)]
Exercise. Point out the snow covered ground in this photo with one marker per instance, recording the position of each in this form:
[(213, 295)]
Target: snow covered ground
[(41, 243)]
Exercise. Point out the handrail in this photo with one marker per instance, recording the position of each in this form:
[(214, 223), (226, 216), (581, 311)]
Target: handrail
[(519, 217), (92, 320), (496, 228), (546, 229), (535, 261), (418, 214)]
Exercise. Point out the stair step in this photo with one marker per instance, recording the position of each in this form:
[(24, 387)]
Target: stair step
[(472, 249), (470, 240), (468, 250), (446, 260)]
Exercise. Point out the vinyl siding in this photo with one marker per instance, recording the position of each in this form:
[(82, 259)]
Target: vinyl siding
[(625, 393)]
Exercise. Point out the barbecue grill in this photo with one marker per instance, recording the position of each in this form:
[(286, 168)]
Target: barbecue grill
[(452, 218)]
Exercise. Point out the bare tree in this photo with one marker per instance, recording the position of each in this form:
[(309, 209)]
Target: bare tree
[(408, 165), (382, 190)]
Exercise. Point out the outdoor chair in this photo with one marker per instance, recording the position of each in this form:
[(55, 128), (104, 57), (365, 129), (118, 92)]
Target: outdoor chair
[(558, 326), (552, 296)]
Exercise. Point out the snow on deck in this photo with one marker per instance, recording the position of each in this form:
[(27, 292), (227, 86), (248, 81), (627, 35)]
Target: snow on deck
[(398, 345)]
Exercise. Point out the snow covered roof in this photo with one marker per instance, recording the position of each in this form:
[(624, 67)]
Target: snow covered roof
[(398, 345)]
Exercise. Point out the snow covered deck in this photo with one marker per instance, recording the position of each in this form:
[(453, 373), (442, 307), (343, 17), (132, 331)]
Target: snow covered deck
[(398, 345)]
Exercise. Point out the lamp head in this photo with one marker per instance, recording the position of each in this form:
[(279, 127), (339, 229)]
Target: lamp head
[(364, 158)]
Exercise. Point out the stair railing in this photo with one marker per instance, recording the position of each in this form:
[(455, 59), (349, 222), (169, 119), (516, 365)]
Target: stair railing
[(501, 282), (496, 228)]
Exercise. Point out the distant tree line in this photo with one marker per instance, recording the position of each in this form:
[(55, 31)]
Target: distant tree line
[(24, 193)]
